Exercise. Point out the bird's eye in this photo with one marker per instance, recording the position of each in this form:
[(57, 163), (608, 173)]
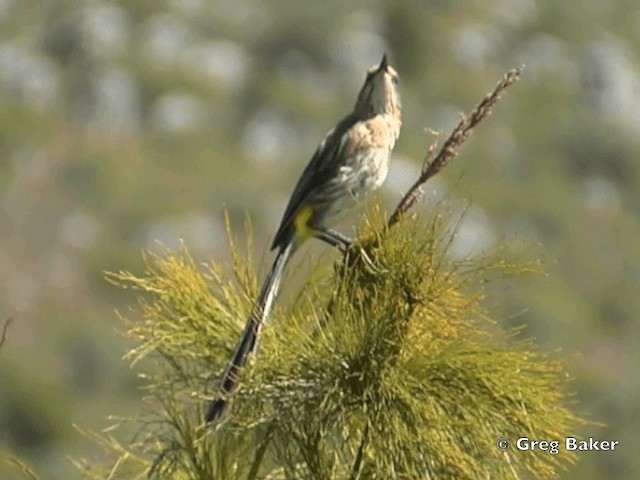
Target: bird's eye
[(394, 79)]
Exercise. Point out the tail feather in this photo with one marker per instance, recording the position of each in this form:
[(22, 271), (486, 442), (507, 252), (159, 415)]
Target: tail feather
[(249, 340)]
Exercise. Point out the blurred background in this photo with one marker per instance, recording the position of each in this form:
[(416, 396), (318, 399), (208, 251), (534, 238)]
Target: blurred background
[(127, 123)]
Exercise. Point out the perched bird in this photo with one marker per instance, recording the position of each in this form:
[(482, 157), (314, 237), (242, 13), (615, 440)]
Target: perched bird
[(351, 161)]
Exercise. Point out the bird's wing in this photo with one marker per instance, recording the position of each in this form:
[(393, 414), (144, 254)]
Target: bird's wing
[(321, 168)]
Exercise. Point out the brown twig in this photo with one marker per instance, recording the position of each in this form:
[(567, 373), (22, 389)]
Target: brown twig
[(5, 327), (448, 151)]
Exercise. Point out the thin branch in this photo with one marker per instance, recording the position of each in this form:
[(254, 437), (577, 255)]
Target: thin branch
[(357, 464), (5, 328), (259, 455), (449, 149), (10, 459)]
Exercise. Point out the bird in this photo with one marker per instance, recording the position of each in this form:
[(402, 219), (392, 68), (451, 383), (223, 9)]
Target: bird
[(350, 162)]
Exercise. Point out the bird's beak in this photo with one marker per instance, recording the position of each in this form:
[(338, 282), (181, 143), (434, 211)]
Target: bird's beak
[(383, 63)]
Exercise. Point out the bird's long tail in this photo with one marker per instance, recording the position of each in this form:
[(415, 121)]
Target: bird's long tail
[(249, 340)]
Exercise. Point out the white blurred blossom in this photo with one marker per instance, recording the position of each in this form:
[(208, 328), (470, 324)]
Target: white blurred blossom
[(474, 235), (221, 62), (611, 80), (116, 100), (79, 230), (178, 112), (105, 29), (269, 136), (28, 75), (164, 39)]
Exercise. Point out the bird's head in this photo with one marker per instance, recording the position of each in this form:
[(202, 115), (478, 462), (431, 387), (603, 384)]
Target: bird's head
[(379, 94)]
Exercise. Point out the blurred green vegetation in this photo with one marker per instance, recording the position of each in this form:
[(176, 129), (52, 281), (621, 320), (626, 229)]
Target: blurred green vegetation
[(386, 366), (126, 123)]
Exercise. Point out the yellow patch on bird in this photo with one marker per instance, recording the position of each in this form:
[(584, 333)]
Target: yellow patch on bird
[(301, 222)]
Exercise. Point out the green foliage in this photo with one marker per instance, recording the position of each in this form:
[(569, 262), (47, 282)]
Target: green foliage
[(17, 465), (390, 368)]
